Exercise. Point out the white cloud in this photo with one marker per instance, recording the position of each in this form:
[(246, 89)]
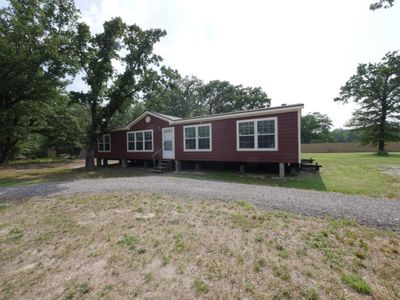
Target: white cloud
[(297, 51)]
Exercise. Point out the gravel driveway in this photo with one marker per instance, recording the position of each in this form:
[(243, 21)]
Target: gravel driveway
[(368, 211)]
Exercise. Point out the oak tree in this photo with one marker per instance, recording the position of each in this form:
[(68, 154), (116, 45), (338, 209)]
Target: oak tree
[(37, 55), (118, 66), (376, 89), (315, 128)]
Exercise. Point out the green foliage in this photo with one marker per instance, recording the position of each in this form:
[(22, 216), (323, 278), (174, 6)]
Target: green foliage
[(376, 88), (357, 283), (15, 234), (189, 96), (129, 241), (222, 96), (315, 128), (341, 135), (111, 91), (200, 286), (381, 4), (36, 55), (124, 117), (175, 95)]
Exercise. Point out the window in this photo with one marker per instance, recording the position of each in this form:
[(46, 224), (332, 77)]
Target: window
[(104, 143), (141, 141), (257, 135), (197, 137)]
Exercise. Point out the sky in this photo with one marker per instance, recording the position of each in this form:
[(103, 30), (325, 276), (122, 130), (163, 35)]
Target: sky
[(297, 51)]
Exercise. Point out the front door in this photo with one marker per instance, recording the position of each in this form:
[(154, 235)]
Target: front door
[(168, 141)]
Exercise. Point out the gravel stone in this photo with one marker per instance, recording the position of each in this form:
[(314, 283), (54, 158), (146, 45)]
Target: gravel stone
[(384, 213)]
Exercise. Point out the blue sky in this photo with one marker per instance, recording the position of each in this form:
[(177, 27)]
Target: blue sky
[(297, 51)]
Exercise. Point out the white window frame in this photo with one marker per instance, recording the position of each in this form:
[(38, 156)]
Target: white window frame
[(102, 138), (275, 119), (144, 140), (197, 138)]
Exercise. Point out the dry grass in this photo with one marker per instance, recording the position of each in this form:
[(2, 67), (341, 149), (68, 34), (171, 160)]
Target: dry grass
[(32, 173), (121, 246)]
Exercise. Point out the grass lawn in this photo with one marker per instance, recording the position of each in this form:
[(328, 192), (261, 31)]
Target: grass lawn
[(122, 246), (352, 173)]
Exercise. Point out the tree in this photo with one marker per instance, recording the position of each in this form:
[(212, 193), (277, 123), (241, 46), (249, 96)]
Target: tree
[(341, 135), (118, 47), (175, 95), (189, 96), (221, 96), (123, 118), (376, 88), (381, 4), (36, 56), (315, 128)]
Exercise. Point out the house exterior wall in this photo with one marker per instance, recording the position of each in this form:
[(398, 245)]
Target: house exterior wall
[(119, 143), (224, 141)]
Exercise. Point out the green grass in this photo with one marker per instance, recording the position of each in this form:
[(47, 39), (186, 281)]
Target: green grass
[(351, 173), (357, 283)]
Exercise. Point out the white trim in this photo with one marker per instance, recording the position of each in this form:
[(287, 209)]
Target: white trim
[(256, 134), (233, 115), (98, 144), (197, 138), (173, 142), (143, 115), (144, 140), (299, 132)]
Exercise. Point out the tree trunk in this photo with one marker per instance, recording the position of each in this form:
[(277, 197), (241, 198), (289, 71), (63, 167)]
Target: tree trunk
[(381, 147), (3, 155), (89, 159)]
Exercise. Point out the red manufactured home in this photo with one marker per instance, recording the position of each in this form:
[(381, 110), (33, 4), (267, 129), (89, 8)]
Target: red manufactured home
[(269, 135)]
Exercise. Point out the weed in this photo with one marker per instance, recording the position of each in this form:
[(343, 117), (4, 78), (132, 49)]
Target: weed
[(310, 294), (141, 251), (357, 283), (106, 289), (179, 244), (200, 286), (363, 245), (84, 288), (258, 239), (259, 265), (321, 242), (283, 254), (128, 241), (282, 272), (15, 234), (165, 260), (243, 222), (246, 205)]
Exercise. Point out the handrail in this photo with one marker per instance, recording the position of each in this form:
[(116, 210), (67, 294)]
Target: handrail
[(158, 152), (154, 155)]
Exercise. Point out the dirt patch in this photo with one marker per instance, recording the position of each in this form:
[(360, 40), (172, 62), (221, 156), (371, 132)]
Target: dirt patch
[(390, 170)]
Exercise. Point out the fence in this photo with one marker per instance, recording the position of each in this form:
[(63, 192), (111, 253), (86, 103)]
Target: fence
[(345, 147)]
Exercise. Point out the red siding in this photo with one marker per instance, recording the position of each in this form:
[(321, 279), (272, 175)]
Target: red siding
[(223, 142), (118, 141)]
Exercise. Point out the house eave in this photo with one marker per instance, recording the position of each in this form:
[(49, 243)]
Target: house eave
[(223, 116)]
